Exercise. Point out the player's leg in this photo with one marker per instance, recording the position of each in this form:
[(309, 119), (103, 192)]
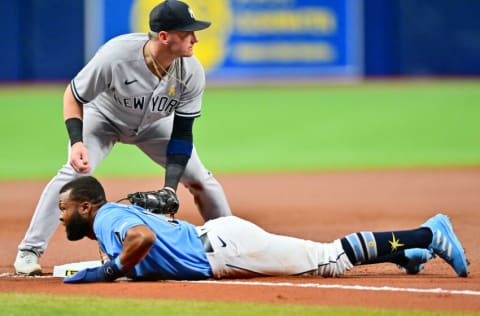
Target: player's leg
[(99, 138), (242, 249), (404, 247), (376, 247), (409, 260), (207, 192)]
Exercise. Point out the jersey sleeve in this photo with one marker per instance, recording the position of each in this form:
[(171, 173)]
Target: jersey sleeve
[(111, 227), (194, 84), (94, 78)]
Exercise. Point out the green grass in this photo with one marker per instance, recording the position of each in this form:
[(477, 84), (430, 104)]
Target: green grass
[(337, 127), (52, 305), (404, 124)]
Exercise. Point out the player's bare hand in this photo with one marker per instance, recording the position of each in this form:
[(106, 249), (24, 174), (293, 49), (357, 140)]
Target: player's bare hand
[(79, 158)]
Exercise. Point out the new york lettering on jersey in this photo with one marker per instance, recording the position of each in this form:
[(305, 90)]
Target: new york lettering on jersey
[(158, 103)]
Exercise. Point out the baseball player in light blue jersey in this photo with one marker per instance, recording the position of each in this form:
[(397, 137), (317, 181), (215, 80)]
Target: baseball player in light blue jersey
[(146, 246), (139, 89)]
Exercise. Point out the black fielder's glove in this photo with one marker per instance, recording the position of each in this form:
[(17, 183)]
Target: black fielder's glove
[(163, 201)]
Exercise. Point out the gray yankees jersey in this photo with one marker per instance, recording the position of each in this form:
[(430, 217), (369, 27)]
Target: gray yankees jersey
[(118, 82)]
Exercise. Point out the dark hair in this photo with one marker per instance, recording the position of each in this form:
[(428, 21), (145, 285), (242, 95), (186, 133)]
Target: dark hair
[(85, 188)]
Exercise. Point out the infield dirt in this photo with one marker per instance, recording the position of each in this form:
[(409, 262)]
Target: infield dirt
[(319, 206)]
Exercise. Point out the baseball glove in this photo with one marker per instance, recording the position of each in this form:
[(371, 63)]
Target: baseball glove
[(163, 201)]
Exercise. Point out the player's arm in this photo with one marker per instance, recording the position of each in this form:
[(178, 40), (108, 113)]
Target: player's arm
[(138, 242), (71, 107), (180, 147), (73, 117), (179, 150)]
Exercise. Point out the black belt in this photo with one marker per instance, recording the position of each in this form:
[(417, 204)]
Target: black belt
[(206, 243)]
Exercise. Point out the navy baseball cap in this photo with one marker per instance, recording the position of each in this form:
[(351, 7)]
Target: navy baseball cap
[(174, 15)]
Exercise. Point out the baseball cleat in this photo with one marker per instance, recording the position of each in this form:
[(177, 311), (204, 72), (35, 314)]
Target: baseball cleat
[(446, 244), (416, 258), (26, 263)]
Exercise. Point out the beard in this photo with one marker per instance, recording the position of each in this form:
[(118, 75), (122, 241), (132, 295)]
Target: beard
[(77, 228)]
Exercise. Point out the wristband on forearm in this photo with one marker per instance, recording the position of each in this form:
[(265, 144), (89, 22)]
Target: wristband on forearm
[(109, 271), (75, 130), (178, 154), (112, 269), (173, 172)]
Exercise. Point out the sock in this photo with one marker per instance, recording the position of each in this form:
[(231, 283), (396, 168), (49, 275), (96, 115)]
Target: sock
[(360, 247), (397, 257), (366, 247)]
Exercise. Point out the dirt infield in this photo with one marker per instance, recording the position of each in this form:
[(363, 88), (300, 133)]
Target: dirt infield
[(320, 206)]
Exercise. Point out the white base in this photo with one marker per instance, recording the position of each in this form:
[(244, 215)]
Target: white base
[(72, 268)]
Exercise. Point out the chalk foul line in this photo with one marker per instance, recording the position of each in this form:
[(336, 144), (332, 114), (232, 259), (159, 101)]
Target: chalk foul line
[(345, 287), (304, 285)]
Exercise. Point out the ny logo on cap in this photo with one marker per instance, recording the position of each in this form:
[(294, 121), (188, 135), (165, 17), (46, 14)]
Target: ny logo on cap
[(191, 13)]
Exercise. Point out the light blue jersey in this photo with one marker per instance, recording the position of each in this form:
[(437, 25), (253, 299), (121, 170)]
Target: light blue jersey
[(177, 253)]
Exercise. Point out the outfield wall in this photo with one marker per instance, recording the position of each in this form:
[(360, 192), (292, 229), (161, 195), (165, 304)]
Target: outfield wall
[(52, 39)]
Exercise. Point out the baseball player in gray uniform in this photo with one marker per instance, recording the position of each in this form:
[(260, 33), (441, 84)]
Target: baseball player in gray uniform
[(140, 89)]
